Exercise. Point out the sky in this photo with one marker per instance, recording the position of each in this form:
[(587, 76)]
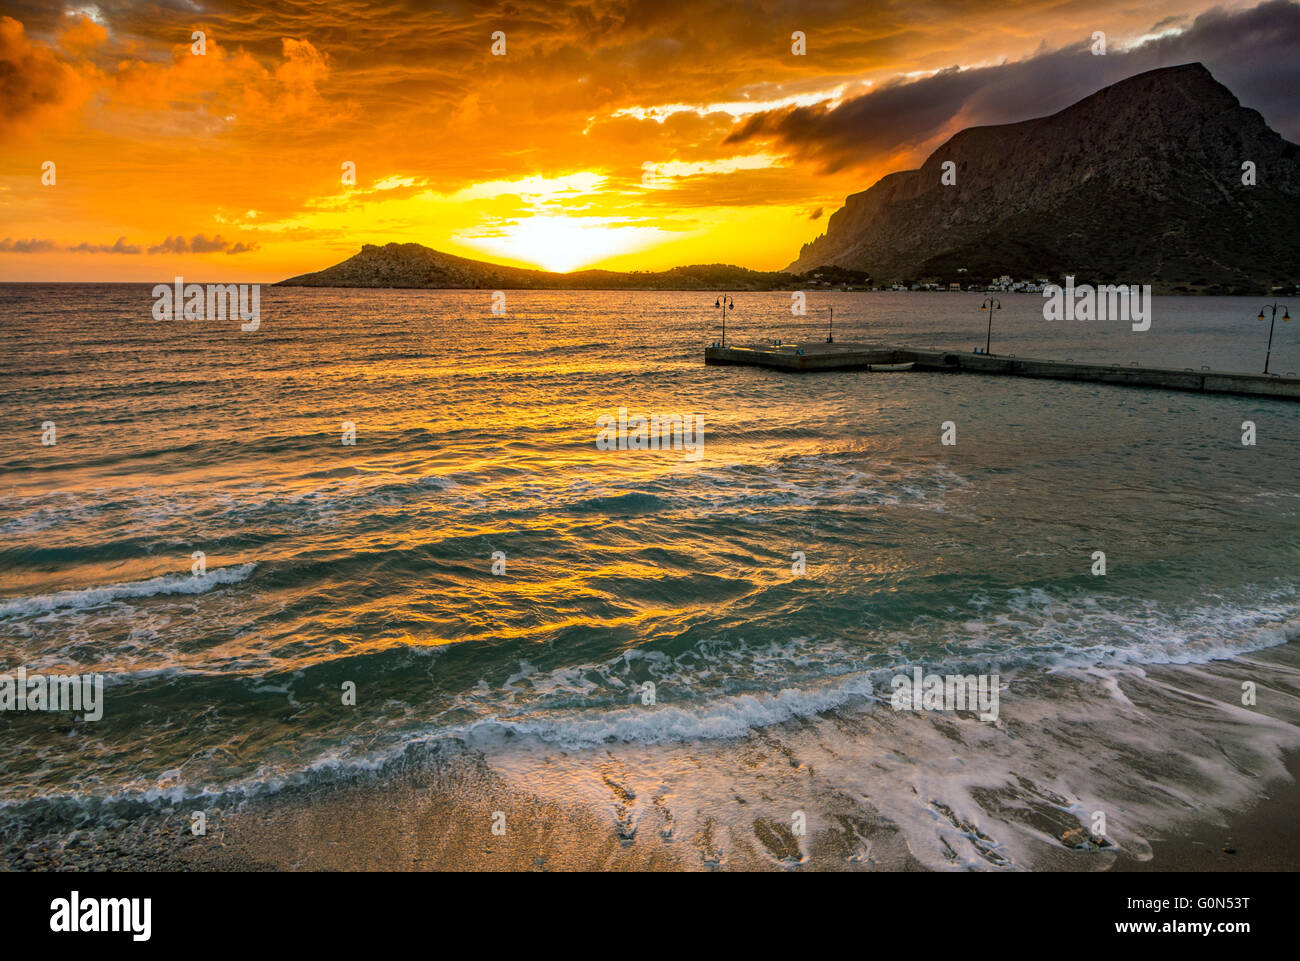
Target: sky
[(626, 135)]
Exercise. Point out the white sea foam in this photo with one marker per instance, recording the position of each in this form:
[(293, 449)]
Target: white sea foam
[(951, 793), (97, 596)]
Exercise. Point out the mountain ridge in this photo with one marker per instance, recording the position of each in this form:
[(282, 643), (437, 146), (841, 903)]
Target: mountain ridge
[(414, 265), (1139, 182), (1157, 156)]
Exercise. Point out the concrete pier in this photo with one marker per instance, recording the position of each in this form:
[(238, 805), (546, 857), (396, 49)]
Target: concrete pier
[(814, 357)]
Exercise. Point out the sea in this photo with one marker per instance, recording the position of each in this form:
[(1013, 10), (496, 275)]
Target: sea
[(379, 528)]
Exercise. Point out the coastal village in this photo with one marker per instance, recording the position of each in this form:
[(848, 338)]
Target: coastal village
[(1002, 284)]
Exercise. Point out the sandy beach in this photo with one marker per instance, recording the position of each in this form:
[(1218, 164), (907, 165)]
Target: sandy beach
[(437, 824), (439, 814)]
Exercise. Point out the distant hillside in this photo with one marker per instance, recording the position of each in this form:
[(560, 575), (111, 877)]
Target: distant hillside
[(1140, 182), (414, 265)]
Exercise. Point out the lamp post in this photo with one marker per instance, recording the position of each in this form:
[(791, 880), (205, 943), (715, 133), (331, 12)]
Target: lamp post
[(724, 303), (990, 304), (1286, 315), (830, 334)]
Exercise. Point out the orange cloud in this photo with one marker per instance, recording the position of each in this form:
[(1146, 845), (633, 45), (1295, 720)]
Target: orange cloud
[(225, 83), (81, 35), (152, 141), (37, 87)]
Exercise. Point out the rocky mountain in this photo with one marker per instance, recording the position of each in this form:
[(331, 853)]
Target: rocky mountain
[(414, 265), (1140, 182)]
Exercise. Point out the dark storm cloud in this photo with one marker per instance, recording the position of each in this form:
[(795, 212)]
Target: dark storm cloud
[(1255, 53)]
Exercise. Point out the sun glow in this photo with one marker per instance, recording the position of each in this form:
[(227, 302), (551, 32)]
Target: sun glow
[(561, 243)]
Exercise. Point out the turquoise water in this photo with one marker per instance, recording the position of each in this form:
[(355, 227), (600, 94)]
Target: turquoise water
[(475, 433)]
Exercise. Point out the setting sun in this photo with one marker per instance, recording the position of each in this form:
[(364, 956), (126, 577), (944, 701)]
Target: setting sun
[(561, 243)]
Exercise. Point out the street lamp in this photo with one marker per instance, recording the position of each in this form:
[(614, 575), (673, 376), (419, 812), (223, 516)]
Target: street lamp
[(1286, 315), (725, 304), (830, 334), (990, 304)]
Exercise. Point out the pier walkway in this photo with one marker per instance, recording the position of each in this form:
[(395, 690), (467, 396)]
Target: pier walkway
[(815, 357)]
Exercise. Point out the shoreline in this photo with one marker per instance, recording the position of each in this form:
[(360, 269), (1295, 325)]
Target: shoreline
[(430, 821), (1261, 837), (1212, 788)]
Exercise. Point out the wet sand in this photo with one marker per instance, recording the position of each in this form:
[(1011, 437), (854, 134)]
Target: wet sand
[(427, 821), (622, 808), (1263, 837)]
